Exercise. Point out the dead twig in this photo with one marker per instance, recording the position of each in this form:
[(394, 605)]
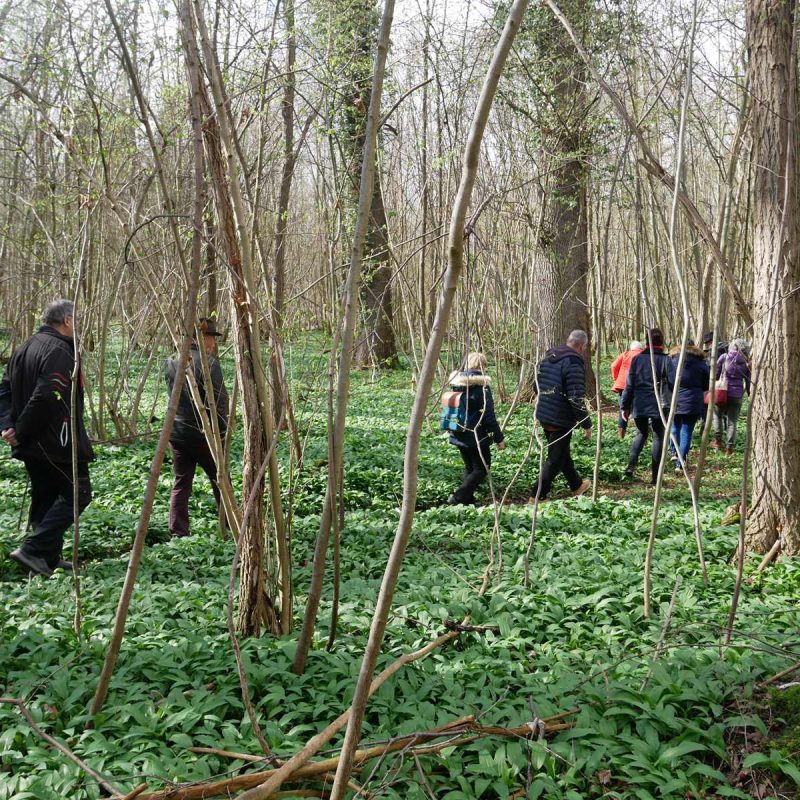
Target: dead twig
[(96, 776)]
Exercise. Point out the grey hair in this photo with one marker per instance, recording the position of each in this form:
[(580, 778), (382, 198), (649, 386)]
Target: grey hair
[(739, 346), (578, 337), (58, 312), (636, 345)]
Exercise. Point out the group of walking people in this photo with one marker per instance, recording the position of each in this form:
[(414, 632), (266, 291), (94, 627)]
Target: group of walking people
[(644, 377), (43, 385), (37, 399)]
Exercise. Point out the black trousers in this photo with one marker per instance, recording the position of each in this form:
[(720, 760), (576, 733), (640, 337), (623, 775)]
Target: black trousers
[(559, 460), (476, 465), (185, 460), (643, 425), (52, 509)]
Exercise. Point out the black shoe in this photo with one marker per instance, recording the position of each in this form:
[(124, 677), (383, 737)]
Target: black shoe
[(31, 564), (67, 566), (629, 474), (452, 500)]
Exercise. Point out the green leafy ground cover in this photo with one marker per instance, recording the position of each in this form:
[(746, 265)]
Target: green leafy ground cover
[(575, 638)]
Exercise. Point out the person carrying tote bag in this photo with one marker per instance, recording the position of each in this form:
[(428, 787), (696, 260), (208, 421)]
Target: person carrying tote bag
[(734, 370)]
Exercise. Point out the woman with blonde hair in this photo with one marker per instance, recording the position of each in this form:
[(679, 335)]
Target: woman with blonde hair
[(473, 436)]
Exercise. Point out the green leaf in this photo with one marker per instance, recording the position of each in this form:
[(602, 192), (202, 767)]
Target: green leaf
[(679, 750)]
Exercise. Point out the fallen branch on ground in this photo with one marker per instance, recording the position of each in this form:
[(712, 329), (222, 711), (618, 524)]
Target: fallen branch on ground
[(459, 732)]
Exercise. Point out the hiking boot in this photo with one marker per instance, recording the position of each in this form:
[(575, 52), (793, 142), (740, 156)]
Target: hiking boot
[(33, 565), (586, 484), (67, 566), (629, 474), (716, 444)]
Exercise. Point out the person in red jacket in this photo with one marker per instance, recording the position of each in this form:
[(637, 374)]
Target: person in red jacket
[(619, 373)]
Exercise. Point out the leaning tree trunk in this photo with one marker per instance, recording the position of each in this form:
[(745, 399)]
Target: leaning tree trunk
[(775, 511), (256, 608)]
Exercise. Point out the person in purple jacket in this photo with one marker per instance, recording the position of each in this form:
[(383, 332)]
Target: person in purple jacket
[(736, 369)]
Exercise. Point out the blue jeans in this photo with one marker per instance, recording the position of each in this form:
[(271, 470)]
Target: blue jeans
[(682, 429)]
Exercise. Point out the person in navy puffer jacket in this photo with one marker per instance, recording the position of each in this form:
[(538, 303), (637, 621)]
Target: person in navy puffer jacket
[(690, 407), (561, 385), (735, 367), (474, 442), (647, 395)]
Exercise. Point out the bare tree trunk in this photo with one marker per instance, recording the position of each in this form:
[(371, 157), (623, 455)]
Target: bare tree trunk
[(454, 268), (775, 509), (287, 111), (336, 440), (135, 558), (256, 607)]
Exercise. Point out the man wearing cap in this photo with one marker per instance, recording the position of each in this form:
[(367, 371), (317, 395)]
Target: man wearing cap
[(187, 440), (36, 420)]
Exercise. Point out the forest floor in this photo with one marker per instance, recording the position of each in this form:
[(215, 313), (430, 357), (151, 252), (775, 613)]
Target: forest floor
[(661, 708)]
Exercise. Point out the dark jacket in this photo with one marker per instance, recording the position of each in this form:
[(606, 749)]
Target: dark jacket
[(188, 428), (737, 371), (641, 395), (35, 399), (694, 383), (483, 427), (562, 389)]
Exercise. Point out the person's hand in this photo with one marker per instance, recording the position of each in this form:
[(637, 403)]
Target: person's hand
[(502, 445), (10, 436), (587, 432), (626, 415)]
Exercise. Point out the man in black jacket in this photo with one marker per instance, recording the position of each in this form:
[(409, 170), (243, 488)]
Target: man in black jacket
[(561, 385), (647, 397), (36, 420), (187, 441)]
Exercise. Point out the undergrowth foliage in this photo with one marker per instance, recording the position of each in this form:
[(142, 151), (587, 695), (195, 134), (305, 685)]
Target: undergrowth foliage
[(648, 724)]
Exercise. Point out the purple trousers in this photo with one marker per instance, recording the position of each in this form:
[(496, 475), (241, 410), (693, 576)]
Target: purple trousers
[(185, 460)]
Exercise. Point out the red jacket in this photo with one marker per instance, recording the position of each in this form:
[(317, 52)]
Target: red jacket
[(620, 367)]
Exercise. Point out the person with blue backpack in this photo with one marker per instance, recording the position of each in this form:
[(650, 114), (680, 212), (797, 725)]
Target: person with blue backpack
[(561, 388), (468, 415)]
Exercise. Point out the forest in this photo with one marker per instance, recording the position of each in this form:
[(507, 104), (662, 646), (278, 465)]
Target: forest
[(480, 319)]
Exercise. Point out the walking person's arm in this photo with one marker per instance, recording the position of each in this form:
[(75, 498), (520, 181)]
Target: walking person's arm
[(575, 384), (490, 420), (7, 430)]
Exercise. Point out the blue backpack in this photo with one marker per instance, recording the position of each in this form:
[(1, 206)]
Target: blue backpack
[(454, 412), (455, 418)]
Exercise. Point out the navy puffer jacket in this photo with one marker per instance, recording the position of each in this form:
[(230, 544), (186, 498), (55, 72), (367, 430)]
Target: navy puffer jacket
[(562, 389), (480, 410), (694, 383), (641, 395)]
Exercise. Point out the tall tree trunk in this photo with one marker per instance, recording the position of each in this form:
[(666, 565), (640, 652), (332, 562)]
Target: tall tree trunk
[(355, 26), (772, 45), (376, 344)]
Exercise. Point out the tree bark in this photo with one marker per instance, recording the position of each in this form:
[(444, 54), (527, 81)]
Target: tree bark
[(775, 508)]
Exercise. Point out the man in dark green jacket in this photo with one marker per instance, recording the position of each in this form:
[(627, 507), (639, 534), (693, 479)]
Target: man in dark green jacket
[(187, 440), (36, 420), (561, 407)]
